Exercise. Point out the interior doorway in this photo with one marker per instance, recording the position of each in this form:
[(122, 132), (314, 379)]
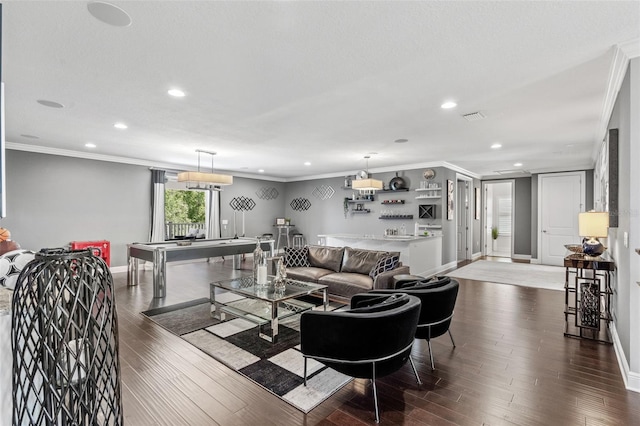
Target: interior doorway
[(462, 210), (498, 218)]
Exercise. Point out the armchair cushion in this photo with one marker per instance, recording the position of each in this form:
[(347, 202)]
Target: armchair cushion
[(296, 257), (384, 264), (425, 284), (380, 303)]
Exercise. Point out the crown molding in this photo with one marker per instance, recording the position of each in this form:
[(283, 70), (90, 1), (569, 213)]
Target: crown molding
[(631, 48), (123, 160), (617, 72)]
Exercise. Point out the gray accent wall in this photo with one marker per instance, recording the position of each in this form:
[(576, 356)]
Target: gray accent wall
[(53, 200), (522, 217)]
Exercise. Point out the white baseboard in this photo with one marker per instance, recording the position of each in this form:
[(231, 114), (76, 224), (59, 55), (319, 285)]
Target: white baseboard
[(535, 261), (522, 257), (476, 256), (631, 379)]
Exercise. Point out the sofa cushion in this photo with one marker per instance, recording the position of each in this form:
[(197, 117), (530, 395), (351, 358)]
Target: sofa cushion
[(309, 274), (326, 257), (384, 264), (360, 261), (346, 284), (296, 257)]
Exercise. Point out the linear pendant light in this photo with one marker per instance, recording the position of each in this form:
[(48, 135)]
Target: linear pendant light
[(367, 185), (204, 177)]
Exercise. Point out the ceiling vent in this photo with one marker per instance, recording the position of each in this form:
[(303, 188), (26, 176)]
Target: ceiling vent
[(474, 116)]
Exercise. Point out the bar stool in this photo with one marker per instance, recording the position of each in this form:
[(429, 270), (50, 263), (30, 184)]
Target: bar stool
[(298, 240)]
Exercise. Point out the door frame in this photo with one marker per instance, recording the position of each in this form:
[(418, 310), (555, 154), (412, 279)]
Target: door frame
[(583, 197), (469, 216), (483, 237)]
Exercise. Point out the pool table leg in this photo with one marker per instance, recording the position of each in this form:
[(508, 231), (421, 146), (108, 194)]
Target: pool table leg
[(159, 273)]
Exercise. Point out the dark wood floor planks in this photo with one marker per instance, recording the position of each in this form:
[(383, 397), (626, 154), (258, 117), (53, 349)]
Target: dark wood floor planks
[(511, 366)]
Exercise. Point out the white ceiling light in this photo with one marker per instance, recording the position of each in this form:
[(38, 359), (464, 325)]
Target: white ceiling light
[(109, 14), (261, 171), (496, 146), (120, 126), (90, 145), (203, 177), (176, 93), (517, 164), (307, 163), (364, 183), (448, 105)]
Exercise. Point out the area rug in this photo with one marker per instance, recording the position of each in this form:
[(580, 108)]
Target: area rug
[(277, 367), (523, 274)]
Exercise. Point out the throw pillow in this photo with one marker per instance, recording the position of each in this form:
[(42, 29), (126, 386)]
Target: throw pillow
[(296, 257), (384, 264), (423, 284)]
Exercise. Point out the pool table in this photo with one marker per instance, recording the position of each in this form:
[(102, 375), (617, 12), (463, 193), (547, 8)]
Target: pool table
[(172, 251)]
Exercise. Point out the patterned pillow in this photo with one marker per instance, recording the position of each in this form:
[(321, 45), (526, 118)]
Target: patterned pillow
[(295, 257), (386, 263)]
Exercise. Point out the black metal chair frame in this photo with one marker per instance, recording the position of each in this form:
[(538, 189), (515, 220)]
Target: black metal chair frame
[(373, 371)]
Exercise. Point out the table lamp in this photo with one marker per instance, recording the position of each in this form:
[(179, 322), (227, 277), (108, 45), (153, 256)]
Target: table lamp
[(593, 225)]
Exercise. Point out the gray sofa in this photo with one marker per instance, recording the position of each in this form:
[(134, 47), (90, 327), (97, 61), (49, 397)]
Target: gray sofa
[(345, 270)]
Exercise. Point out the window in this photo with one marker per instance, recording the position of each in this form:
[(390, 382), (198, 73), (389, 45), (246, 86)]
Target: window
[(184, 211), (504, 216)]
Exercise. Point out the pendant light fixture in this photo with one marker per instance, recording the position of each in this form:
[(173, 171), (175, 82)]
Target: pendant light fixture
[(363, 181), (198, 177)]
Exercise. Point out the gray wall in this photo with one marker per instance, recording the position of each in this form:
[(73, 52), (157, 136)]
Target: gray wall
[(620, 119), (53, 200)]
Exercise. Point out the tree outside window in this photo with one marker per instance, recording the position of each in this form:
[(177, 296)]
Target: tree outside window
[(182, 206)]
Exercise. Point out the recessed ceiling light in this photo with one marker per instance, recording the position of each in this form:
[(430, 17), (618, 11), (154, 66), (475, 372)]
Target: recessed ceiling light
[(50, 104), (177, 93), (261, 171), (90, 145), (401, 140), (448, 105), (120, 126), (307, 163), (517, 164), (496, 146), (109, 14), (30, 136)]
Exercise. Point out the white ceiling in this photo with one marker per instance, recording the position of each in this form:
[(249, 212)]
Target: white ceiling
[(271, 85)]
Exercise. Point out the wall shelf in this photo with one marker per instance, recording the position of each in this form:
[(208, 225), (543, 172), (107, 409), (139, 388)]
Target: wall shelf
[(384, 191), (400, 216), (388, 202), (426, 197), (428, 189)]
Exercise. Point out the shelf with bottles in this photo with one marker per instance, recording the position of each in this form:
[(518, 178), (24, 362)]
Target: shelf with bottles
[(392, 202), (396, 216)]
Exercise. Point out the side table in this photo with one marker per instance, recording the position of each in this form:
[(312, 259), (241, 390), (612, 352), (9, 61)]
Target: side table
[(587, 299)]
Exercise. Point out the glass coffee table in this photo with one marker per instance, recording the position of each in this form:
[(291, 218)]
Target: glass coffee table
[(263, 305)]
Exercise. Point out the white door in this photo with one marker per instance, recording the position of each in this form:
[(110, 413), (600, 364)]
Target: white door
[(561, 198)]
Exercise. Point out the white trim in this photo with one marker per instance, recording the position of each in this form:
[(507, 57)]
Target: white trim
[(483, 225), (521, 257), (470, 210), (617, 72), (476, 256), (631, 48), (630, 378)]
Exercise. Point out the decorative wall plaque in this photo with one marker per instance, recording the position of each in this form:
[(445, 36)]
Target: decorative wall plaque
[(323, 192), (267, 193), (300, 204), (242, 203)]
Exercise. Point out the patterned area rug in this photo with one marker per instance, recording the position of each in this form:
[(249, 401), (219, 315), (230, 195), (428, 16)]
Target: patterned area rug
[(277, 367), (523, 274)]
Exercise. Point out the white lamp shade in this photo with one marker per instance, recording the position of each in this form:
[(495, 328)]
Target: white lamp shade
[(593, 224), (367, 184), (212, 178)]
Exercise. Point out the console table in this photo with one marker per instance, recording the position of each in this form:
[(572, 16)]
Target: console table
[(587, 299)]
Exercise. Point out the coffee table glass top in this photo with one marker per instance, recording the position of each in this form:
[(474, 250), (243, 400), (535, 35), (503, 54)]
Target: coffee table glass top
[(247, 286)]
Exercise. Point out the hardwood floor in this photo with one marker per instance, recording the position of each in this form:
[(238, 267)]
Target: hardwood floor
[(512, 366)]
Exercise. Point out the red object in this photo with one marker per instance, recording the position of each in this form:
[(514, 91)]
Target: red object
[(100, 248)]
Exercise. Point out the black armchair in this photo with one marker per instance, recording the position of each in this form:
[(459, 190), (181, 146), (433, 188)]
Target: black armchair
[(438, 298), (371, 340)]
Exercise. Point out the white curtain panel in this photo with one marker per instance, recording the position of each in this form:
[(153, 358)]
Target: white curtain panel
[(157, 232)]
